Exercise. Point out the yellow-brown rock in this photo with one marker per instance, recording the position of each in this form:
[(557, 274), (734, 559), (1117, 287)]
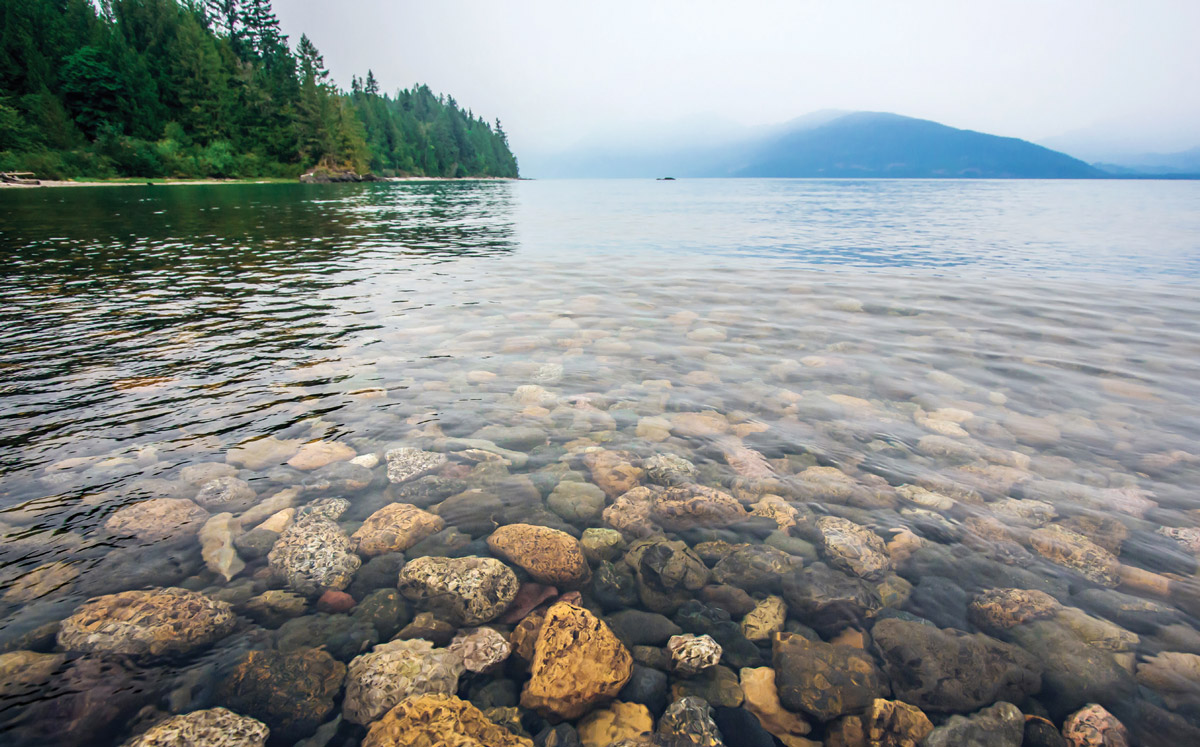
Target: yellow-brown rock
[(765, 620), (578, 664), (317, 454), (395, 528), (613, 471), (1073, 550), (548, 555), (152, 622), (616, 722), (523, 638), (441, 720), (762, 699), (1001, 609), (885, 723)]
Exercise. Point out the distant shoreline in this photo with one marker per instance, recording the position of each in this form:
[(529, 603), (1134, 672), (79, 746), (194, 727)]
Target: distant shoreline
[(129, 182)]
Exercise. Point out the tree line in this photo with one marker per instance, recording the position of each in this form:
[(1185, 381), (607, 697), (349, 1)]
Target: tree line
[(154, 88)]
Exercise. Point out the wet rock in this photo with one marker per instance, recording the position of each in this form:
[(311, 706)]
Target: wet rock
[(385, 610), (630, 514), (637, 627), (256, 543), (647, 686), (437, 719), (578, 664), (548, 555), (344, 637), (669, 470), (690, 720), (740, 728), (481, 649), (379, 572), (756, 568), (853, 548), (335, 602), (561, 735), (262, 453), (717, 686), (695, 617), (1093, 726), (1175, 676), (292, 693), (1105, 531), (696, 506), (667, 573), (202, 472), (1075, 672), (216, 546), (614, 587), (885, 723), (157, 519), (429, 628), (829, 600), (943, 670), (823, 680), (470, 590), (729, 598), (448, 543), (316, 454), (154, 622), (391, 672), (772, 507), (530, 596), (1001, 725), (601, 544), (424, 492), (313, 555), (226, 494), (474, 512), (577, 502), (765, 620), (275, 607), (1074, 551), (407, 463), (613, 471), (41, 581), (1041, 733), (394, 528), (1000, 609), (213, 727), (692, 654), (1134, 613), (618, 721), (941, 601), (326, 508), (339, 477)]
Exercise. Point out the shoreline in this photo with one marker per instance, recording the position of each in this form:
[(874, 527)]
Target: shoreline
[(126, 182)]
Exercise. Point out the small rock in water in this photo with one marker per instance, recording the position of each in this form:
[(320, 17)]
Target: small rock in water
[(216, 546), (548, 555), (692, 654), (316, 454), (407, 463), (394, 528), (213, 727), (226, 494), (1000, 725), (262, 453), (690, 720), (391, 672), (1094, 726), (313, 555), (481, 649), (618, 721), (823, 680), (437, 719), (154, 622), (470, 590), (292, 693), (335, 602), (157, 519)]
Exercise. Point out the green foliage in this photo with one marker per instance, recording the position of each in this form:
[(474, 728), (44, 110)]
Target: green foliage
[(209, 88)]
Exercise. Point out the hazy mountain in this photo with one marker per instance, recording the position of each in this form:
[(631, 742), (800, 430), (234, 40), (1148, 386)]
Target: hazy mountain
[(1143, 164), (828, 144)]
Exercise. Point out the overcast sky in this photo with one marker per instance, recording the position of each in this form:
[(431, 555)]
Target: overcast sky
[(560, 72)]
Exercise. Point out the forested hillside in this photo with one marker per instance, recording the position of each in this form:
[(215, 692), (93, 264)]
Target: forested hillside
[(185, 88)]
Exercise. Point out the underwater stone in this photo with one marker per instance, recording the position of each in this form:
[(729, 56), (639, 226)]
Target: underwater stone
[(407, 463), (824, 680), (313, 555), (394, 528), (155, 622), (481, 649), (213, 727), (439, 719), (692, 654), (548, 555), (292, 693), (158, 518), (226, 494), (391, 672), (471, 590)]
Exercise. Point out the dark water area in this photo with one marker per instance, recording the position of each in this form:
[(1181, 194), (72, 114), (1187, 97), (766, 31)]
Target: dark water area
[(939, 436)]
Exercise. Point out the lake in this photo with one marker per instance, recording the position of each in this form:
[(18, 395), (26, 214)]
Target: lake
[(944, 434)]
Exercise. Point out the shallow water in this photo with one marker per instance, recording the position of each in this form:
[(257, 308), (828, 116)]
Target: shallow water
[(991, 342)]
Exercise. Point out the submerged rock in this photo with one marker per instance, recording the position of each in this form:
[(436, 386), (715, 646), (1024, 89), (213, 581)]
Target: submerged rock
[(226, 494), (692, 654), (578, 664), (829, 600), (470, 590), (292, 693), (854, 548), (439, 719), (577, 502), (1073, 550), (1000, 725), (945, 670), (1001, 609), (1093, 726), (690, 721), (618, 721), (391, 672), (481, 649), (762, 699), (158, 519), (696, 506), (765, 620), (154, 622), (824, 680), (216, 546), (407, 463), (394, 528), (630, 514), (313, 555), (668, 573), (548, 555), (756, 568), (212, 727), (885, 723)]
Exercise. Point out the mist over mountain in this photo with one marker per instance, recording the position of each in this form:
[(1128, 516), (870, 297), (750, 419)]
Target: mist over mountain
[(825, 144)]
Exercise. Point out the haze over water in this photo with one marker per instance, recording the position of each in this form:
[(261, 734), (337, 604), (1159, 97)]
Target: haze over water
[(995, 342)]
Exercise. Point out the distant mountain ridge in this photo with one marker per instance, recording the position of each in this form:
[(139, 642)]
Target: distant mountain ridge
[(839, 144)]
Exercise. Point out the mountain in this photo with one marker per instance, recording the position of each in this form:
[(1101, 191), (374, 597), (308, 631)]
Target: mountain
[(835, 144), (1153, 164)]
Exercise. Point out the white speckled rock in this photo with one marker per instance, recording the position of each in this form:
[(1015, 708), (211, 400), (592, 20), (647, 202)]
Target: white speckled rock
[(481, 649), (470, 590), (407, 463), (391, 672), (226, 494), (212, 727), (158, 518), (313, 555), (854, 548), (692, 654), (152, 622)]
